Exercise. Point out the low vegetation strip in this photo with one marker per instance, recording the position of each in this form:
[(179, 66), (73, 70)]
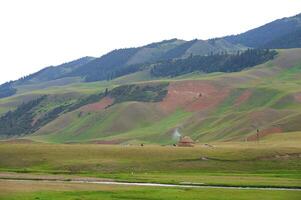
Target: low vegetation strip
[(143, 93)]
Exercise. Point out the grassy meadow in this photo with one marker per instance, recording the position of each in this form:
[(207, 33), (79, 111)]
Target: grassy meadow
[(274, 161)]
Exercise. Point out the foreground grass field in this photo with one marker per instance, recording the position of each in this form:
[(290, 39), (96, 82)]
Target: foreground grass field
[(273, 162)]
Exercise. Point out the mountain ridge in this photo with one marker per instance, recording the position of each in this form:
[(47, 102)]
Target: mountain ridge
[(211, 90), (261, 36), (271, 35)]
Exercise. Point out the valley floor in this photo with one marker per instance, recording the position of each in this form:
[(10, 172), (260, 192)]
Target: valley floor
[(274, 162)]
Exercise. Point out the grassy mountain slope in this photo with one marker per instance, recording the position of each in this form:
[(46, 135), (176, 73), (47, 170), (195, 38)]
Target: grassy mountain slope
[(47, 77), (214, 46), (53, 72), (270, 35), (153, 52), (125, 61), (290, 40), (219, 107), (114, 64), (117, 98)]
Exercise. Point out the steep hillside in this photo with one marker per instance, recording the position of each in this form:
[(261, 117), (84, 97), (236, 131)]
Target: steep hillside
[(125, 61), (30, 116), (271, 35), (7, 90), (290, 40), (219, 107), (213, 90), (222, 106)]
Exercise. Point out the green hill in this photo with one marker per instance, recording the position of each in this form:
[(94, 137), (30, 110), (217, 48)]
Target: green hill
[(207, 107), (210, 90), (219, 107)]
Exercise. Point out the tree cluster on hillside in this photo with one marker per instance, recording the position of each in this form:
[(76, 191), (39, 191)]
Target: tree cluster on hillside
[(7, 90), (25, 119), (222, 62), (143, 93), (19, 122)]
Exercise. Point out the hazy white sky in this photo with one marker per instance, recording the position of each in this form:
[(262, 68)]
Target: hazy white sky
[(38, 33)]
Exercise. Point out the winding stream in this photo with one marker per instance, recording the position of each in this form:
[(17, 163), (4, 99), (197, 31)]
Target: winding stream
[(156, 184)]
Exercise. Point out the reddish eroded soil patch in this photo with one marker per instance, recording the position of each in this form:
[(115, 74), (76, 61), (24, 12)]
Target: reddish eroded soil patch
[(102, 104), (193, 96), (297, 97), (264, 133), (243, 97)]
